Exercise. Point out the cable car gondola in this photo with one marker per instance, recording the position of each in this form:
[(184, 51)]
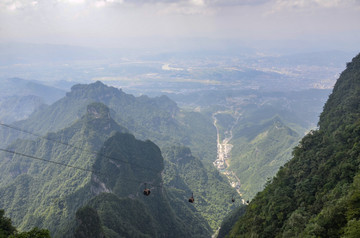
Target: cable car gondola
[(191, 200), (146, 191)]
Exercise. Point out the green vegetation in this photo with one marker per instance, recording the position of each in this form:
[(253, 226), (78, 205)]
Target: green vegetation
[(317, 193), (259, 152), (108, 202), (143, 163), (36, 193), (230, 220), (260, 127), (89, 224), (6, 227), (186, 174), (8, 230), (158, 119)]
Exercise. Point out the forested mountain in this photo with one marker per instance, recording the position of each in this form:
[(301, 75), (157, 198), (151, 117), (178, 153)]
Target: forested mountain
[(185, 174), (36, 193), (42, 194), (121, 208), (106, 199), (258, 128), (317, 193), (158, 119), (261, 148)]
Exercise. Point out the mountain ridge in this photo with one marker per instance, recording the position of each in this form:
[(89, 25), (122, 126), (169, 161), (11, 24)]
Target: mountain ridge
[(158, 119)]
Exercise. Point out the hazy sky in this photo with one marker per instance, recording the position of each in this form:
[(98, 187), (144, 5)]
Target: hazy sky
[(133, 23)]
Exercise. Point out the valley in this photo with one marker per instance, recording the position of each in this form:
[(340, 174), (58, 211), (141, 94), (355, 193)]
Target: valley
[(204, 150), (224, 153), (317, 192)]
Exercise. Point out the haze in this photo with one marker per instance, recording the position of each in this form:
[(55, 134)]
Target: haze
[(178, 24)]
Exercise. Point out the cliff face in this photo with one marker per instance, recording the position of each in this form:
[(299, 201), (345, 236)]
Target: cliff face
[(317, 193)]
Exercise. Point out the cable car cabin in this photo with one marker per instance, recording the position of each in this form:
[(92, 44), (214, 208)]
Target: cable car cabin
[(191, 200), (146, 192), (233, 199)]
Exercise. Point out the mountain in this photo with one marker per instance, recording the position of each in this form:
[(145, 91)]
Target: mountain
[(122, 208), (261, 148), (256, 129), (94, 194), (316, 194), (185, 174), (21, 87), (19, 98), (16, 108), (158, 119), (36, 193)]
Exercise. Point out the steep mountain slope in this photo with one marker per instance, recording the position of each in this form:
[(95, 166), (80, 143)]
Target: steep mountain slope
[(257, 131), (36, 193), (230, 220), (123, 210), (317, 193), (158, 119), (260, 149), (185, 174)]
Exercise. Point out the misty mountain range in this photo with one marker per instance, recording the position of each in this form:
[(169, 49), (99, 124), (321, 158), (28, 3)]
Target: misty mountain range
[(171, 152)]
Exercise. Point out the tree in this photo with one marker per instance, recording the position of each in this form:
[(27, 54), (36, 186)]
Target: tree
[(33, 233), (6, 227), (7, 230)]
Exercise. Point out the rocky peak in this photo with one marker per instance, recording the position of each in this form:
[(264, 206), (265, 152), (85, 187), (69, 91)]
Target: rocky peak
[(98, 110)]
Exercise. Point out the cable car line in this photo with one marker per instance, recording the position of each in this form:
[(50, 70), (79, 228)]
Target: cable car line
[(77, 147), (146, 190), (50, 161), (71, 166)]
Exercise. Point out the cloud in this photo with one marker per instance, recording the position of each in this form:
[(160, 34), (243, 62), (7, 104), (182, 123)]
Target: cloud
[(73, 1), (21, 4), (280, 5), (277, 5), (138, 22)]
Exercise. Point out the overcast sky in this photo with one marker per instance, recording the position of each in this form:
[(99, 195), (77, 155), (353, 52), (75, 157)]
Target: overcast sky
[(135, 23)]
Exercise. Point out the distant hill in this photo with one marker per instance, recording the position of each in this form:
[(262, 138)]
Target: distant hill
[(19, 98), (317, 193), (21, 87), (16, 108)]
